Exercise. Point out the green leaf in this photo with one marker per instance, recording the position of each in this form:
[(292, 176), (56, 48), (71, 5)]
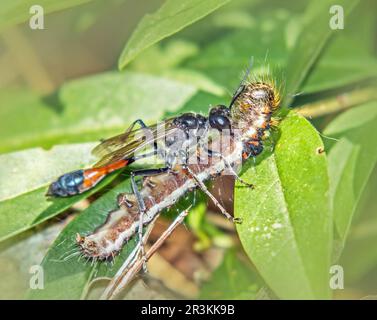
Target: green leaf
[(286, 229), (170, 56), (27, 120), (172, 17), (225, 59), (87, 109), (24, 177), (310, 43), (233, 279), (277, 30), (357, 258), (351, 161), (13, 12), (338, 67)]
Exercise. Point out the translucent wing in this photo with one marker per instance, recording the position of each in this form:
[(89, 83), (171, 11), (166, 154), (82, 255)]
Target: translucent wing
[(127, 144), (117, 142)]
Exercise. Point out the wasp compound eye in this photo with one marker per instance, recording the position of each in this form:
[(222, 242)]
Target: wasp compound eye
[(219, 118), (219, 122)]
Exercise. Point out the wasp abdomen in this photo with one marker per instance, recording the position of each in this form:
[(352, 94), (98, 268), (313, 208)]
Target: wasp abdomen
[(76, 182), (67, 185)]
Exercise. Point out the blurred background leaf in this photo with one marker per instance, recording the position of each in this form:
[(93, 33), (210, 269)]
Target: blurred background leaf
[(87, 109), (169, 19), (351, 161), (313, 36), (226, 58), (13, 12), (189, 70), (357, 258), (338, 67), (233, 279)]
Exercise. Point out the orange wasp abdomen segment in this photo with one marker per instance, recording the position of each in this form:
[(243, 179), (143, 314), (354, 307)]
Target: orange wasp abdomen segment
[(94, 175), (76, 182)]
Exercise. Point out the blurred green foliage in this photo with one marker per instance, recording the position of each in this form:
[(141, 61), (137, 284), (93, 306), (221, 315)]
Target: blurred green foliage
[(308, 211)]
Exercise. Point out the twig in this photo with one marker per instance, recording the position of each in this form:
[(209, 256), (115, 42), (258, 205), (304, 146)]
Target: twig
[(128, 270), (341, 102)]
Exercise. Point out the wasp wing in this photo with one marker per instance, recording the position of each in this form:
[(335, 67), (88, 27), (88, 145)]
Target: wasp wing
[(115, 143), (127, 144)]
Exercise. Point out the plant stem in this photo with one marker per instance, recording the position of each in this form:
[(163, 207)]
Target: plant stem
[(339, 103)]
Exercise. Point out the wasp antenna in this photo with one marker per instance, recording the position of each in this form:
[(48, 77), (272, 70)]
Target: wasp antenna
[(243, 82), (248, 71)]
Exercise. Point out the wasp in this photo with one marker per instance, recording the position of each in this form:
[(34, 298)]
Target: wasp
[(120, 151), (245, 123)]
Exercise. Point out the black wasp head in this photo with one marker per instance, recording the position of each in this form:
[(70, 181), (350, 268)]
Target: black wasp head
[(219, 117)]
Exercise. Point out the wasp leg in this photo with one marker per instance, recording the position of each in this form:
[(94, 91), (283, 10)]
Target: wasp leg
[(144, 126), (139, 122), (141, 204), (202, 186), (131, 127), (212, 153)]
